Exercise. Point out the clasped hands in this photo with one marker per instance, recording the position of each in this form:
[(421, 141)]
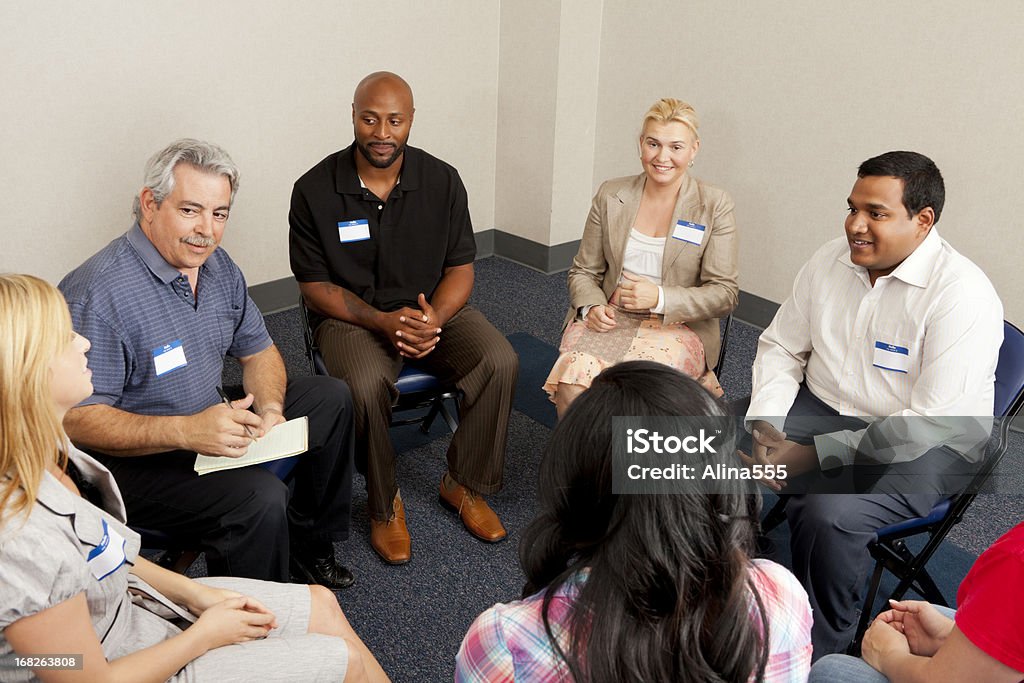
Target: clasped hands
[(414, 333), (228, 432), (910, 627), (227, 617), (772, 448), (634, 293)]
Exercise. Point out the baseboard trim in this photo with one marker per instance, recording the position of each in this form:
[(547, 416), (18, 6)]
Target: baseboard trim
[(755, 310), (546, 259), (276, 295), (484, 243)]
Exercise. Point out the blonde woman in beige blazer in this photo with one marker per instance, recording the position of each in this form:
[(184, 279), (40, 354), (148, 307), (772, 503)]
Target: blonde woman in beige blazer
[(656, 267)]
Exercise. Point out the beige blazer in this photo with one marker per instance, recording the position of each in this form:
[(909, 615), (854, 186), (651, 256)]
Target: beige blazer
[(700, 283)]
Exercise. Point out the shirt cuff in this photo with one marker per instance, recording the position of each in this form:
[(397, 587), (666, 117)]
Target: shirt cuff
[(660, 308), (583, 310), (778, 422), (836, 449)]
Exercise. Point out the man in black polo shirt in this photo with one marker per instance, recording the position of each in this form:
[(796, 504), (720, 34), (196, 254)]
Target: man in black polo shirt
[(382, 247)]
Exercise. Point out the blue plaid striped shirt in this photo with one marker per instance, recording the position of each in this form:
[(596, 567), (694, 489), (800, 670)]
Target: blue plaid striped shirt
[(132, 305)]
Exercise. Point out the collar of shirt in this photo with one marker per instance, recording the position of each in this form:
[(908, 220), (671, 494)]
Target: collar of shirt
[(916, 269), (362, 185), (163, 270), (59, 500), (349, 182)]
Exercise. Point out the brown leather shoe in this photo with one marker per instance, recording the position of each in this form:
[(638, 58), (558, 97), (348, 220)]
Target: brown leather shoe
[(477, 516), (391, 538)]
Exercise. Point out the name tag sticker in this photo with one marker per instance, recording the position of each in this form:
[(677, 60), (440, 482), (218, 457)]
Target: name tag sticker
[(168, 357), (353, 231), (105, 558), (689, 232), (892, 357)]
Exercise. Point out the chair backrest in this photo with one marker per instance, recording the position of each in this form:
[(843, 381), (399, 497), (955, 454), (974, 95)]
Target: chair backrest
[(316, 361), (1009, 400), (1010, 372)]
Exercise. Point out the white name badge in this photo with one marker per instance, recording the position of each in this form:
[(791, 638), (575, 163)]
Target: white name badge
[(689, 232), (105, 558), (353, 231), (892, 357), (168, 357)]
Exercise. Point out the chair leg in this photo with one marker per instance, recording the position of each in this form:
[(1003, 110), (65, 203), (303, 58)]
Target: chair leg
[(169, 558), (866, 612), (185, 561), (436, 405), (177, 560), (451, 420), (923, 584)]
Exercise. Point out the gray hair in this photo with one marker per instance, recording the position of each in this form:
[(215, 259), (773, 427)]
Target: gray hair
[(204, 156)]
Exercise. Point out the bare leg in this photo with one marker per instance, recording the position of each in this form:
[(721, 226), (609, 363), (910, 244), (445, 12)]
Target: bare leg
[(325, 616), (565, 395)]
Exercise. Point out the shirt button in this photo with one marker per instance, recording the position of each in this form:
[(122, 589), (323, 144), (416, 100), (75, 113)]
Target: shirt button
[(380, 206)]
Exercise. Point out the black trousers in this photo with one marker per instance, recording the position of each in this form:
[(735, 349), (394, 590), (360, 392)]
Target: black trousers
[(246, 519), (831, 530)]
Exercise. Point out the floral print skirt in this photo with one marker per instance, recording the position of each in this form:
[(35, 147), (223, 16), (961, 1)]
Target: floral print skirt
[(585, 353)]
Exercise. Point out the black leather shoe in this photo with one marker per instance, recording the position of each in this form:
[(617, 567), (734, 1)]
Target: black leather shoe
[(324, 571)]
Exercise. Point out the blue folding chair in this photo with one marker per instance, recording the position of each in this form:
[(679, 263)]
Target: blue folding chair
[(889, 550), (417, 389)]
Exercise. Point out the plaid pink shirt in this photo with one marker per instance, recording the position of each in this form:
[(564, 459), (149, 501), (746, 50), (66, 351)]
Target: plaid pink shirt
[(508, 642)]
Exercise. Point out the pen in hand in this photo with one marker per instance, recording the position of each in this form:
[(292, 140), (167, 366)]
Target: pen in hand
[(227, 402)]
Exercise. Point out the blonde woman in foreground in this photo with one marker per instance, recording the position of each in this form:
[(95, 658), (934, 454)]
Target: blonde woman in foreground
[(73, 582)]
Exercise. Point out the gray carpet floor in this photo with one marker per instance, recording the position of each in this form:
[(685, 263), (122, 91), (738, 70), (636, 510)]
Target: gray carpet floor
[(413, 617)]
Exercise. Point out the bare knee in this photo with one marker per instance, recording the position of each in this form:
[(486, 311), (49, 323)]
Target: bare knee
[(325, 615), (355, 671), (565, 395)]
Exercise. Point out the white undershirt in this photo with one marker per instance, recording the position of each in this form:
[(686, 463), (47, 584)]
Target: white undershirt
[(643, 257)]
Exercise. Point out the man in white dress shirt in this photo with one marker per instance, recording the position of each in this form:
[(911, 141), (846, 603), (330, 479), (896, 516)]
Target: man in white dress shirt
[(887, 329)]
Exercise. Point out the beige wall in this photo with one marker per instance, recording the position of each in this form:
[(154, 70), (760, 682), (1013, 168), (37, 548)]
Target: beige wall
[(527, 92), (547, 117), (794, 95), (91, 89), (535, 101)]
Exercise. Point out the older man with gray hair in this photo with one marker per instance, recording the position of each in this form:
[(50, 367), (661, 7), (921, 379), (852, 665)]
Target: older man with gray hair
[(163, 305)]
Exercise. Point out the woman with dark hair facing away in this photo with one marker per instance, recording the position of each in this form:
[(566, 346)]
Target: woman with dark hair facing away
[(73, 582), (639, 587)]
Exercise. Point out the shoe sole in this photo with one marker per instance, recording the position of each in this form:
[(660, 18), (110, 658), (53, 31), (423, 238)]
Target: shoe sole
[(393, 563), (444, 503)]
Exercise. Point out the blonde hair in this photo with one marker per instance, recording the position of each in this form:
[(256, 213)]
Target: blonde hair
[(36, 327), (669, 109)]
